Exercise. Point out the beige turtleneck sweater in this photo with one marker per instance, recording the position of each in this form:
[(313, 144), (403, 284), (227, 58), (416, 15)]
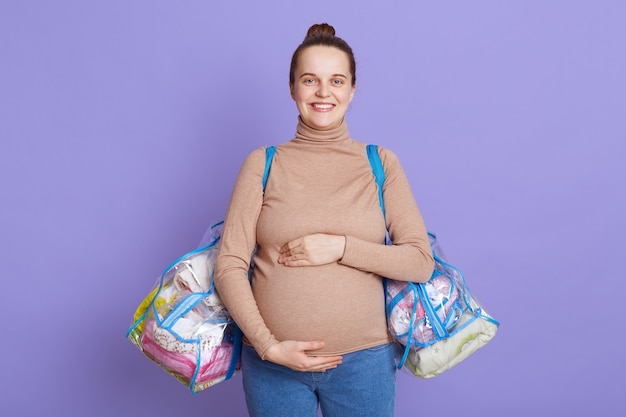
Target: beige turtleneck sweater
[(320, 182)]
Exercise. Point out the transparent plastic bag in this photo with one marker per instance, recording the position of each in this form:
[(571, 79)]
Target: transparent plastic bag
[(439, 323), (436, 324), (183, 326)]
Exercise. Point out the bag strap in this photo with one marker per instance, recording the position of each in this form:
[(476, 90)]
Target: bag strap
[(379, 174), (269, 157)]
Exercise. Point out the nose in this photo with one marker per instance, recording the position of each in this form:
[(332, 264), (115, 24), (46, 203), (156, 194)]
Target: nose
[(322, 90)]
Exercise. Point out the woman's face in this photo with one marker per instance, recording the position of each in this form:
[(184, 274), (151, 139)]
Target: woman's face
[(322, 86)]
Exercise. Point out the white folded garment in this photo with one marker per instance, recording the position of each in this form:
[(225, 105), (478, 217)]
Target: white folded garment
[(433, 360), (195, 274)]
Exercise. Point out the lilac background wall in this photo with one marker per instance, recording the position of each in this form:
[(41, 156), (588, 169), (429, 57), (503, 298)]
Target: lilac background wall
[(124, 123)]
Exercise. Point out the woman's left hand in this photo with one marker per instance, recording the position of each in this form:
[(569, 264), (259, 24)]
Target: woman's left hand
[(310, 250)]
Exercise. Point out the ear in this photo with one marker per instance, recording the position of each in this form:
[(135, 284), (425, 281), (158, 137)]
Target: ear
[(291, 90)]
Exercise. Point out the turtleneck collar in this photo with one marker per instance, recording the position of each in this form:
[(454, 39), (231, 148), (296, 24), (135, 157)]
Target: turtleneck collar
[(310, 135)]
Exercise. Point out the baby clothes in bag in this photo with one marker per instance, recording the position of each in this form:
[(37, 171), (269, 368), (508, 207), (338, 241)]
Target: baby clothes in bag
[(183, 326), (436, 324)]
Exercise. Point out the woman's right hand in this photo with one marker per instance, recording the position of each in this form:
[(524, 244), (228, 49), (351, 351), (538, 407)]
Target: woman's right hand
[(292, 354)]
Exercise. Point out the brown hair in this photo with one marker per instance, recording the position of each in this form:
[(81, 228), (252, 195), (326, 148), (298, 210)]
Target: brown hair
[(322, 34)]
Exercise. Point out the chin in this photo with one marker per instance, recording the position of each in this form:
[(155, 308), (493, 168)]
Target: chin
[(323, 125)]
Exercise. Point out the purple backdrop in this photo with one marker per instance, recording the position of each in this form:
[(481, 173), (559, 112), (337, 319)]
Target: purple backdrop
[(123, 125)]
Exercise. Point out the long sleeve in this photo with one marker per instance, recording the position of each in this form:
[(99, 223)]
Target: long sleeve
[(410, 257), (236, 247)]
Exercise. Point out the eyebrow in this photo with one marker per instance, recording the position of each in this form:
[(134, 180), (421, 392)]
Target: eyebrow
[(310, 74)]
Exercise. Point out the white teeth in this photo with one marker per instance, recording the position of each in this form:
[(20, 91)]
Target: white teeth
[(322, 106)]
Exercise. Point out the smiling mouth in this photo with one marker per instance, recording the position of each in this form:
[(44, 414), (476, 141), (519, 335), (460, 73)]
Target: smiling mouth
[(322, 106)]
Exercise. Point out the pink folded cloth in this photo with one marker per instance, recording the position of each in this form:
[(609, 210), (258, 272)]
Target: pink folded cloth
[(214, 361)]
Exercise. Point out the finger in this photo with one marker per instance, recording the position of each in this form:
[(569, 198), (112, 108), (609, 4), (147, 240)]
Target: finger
[(295, 253), (293, 260), (311, 345), (300, 259), (290, 246), (322, 363), (296, 257), (323, 368), (332, 361), (301, 262)]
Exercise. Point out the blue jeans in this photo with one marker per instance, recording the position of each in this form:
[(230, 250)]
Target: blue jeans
[(363, 385)]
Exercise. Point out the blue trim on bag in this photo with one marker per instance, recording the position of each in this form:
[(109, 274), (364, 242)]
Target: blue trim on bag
[(162, 278), (183, 307), (237, 344), (431, 315)]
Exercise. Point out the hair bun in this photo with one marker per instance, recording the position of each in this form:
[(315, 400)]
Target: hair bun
[(321, 29)]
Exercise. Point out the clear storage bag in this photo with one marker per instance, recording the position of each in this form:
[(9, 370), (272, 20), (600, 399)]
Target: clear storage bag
[(436, 324), (439, 323), (183, 326)]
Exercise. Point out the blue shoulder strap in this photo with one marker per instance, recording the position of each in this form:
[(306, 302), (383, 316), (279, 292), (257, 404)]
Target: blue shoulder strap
[(269, 157), (379, 173)]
